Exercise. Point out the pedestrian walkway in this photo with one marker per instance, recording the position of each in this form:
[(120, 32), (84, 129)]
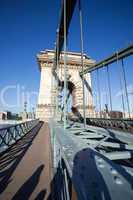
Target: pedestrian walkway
[(25, 170)]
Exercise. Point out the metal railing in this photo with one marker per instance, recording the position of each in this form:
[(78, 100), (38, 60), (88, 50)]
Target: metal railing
[(120, 124), (12, 133)]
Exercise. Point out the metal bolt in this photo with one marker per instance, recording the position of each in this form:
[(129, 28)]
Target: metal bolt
[(113, 171), (118, 180)]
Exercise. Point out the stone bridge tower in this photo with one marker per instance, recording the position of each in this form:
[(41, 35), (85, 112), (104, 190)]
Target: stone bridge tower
[(46, 105)]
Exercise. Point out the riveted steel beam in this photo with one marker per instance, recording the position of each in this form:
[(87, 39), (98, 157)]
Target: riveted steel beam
[(70, 5), (114, 57), (117, 155)]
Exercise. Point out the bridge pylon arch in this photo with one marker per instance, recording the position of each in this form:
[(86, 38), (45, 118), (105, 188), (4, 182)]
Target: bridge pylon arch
[(47, 91)]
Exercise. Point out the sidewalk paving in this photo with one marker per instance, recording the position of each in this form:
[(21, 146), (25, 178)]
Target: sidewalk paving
[(25, 171)]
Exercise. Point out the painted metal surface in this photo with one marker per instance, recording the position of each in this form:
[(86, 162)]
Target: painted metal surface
[(121, 124), (100, 167), (12, 133), (118, 55)]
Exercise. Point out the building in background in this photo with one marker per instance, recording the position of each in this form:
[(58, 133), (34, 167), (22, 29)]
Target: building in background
[(3, 115)]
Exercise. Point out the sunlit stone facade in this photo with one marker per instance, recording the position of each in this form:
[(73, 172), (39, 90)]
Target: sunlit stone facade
[(47, 91)]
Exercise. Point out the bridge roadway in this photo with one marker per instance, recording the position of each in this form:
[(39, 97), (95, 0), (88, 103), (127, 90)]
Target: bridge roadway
[(25, 169)]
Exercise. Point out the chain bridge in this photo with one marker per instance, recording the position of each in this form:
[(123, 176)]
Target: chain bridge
[(79, 147)]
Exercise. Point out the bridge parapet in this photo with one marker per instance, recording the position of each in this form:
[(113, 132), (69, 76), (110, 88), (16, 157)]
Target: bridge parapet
[(12, 133), (93, 162)]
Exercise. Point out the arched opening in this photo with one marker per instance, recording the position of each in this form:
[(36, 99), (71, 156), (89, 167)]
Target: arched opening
[(71, 100), (71, 97)]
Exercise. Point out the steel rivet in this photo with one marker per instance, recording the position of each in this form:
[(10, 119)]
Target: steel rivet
[(118, 180), (113, 171)]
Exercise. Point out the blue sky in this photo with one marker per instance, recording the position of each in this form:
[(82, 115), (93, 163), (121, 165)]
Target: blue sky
[(26, 27)]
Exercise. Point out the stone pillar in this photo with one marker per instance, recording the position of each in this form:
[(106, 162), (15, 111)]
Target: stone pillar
[(47, 91), (45, 105)]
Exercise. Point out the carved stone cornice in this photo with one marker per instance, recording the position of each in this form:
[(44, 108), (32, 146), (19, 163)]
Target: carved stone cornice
[(46, 59), (44, 106)]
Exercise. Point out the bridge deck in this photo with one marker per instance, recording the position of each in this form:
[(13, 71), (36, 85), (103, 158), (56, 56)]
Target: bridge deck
[(25, 170)]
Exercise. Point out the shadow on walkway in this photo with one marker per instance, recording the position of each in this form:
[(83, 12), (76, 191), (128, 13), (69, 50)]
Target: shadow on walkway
[(29, 186), (11, 158), (41, 195)]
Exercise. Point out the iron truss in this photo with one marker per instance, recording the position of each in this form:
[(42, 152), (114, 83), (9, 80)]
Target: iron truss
[(113, 58)]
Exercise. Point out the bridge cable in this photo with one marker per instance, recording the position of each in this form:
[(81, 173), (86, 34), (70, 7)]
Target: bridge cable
[(125, 86), (61, 57), (95, 98), (109, 87), (82, 57), (93, 93), (96, 105), (106, 95), (52, 96), (65, 70), (61, 86), (99, 90), (120, 78), (57, 68)]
